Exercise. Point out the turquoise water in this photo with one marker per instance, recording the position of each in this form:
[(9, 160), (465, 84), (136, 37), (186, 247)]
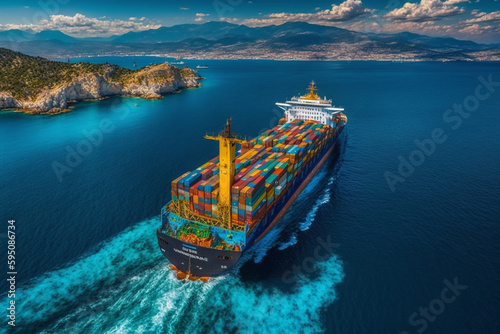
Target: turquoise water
[(86, 249)]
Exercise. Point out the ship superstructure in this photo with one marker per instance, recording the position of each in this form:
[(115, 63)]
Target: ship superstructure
[(310, 107), (228, 204)]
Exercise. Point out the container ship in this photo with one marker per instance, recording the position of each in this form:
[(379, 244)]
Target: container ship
[(224, 207)]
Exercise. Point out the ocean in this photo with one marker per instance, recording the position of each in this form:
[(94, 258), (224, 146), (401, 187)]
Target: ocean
[(405, 213)]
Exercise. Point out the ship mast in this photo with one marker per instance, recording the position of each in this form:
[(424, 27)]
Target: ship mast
[(312, 95), (227, 153)]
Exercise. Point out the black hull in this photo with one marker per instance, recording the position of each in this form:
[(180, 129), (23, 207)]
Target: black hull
[(198, 261)]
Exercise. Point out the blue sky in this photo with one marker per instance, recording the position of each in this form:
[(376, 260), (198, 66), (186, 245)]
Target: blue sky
[(477, 20)]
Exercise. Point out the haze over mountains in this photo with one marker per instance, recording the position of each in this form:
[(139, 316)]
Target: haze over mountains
[(293, 40)]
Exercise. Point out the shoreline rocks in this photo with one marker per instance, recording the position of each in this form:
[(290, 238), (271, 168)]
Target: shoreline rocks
[(151, 82)]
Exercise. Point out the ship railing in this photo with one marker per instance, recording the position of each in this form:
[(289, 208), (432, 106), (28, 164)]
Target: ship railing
[(165, 209)]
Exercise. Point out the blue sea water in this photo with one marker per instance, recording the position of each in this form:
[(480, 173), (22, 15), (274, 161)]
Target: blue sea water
[(86, 252)]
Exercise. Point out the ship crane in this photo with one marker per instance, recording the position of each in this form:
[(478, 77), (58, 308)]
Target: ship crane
[(227, 154)]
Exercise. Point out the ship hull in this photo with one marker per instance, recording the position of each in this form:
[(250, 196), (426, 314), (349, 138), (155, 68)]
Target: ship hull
[(213, 262), (297, 193), (198, 261)]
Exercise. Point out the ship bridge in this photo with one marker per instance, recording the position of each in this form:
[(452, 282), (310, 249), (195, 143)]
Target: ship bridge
[(310, 107)]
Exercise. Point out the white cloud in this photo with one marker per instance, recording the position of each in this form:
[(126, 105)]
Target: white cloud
[(82, 26), (347, 10), (229, 19), (485, 17), (200, 17), (426, 10), (476, 30), (460, 29), (183, 8), (472, 29)]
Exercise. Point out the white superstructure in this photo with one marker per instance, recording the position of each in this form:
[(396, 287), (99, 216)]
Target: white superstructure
[(310, 107)]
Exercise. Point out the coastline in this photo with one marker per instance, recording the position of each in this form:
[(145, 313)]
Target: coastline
[(199, 58), (86, 81), (70, 107)]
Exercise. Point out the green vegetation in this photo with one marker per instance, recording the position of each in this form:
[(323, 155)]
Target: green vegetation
[(187, 72), (25, 77)]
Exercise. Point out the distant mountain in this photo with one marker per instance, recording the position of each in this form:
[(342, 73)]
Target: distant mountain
[(209, 30), (433, 42), (99, 39), (217, 30), (297, 33), (14, 34), (19, 36), (292, 40), (48, 35)]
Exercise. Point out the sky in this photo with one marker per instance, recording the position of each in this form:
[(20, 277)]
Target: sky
[(477, 20)]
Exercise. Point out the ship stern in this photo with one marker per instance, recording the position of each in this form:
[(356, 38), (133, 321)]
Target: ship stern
[(195, 260)]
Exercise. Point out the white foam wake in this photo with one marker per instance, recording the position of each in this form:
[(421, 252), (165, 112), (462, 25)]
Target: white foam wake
[(311, 215), (126, 287), (325, 198), (293, 240)]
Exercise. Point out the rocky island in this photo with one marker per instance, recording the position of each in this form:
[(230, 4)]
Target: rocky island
[(40, 86)]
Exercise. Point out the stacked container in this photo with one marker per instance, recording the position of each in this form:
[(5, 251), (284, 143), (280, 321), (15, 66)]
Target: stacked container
[(264, 170)]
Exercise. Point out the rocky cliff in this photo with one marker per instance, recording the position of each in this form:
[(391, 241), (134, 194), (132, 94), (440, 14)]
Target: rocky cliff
[(85, 81)]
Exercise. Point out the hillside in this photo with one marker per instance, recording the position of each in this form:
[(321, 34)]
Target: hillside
[(38, 85), (222, 40)]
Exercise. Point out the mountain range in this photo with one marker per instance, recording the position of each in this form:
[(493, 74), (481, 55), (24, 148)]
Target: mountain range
[(292, 40)]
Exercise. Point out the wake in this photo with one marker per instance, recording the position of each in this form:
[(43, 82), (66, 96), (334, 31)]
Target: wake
[(325, 195), (125, 286)]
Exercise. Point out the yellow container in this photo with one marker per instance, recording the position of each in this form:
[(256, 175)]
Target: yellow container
[(254, 206)]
